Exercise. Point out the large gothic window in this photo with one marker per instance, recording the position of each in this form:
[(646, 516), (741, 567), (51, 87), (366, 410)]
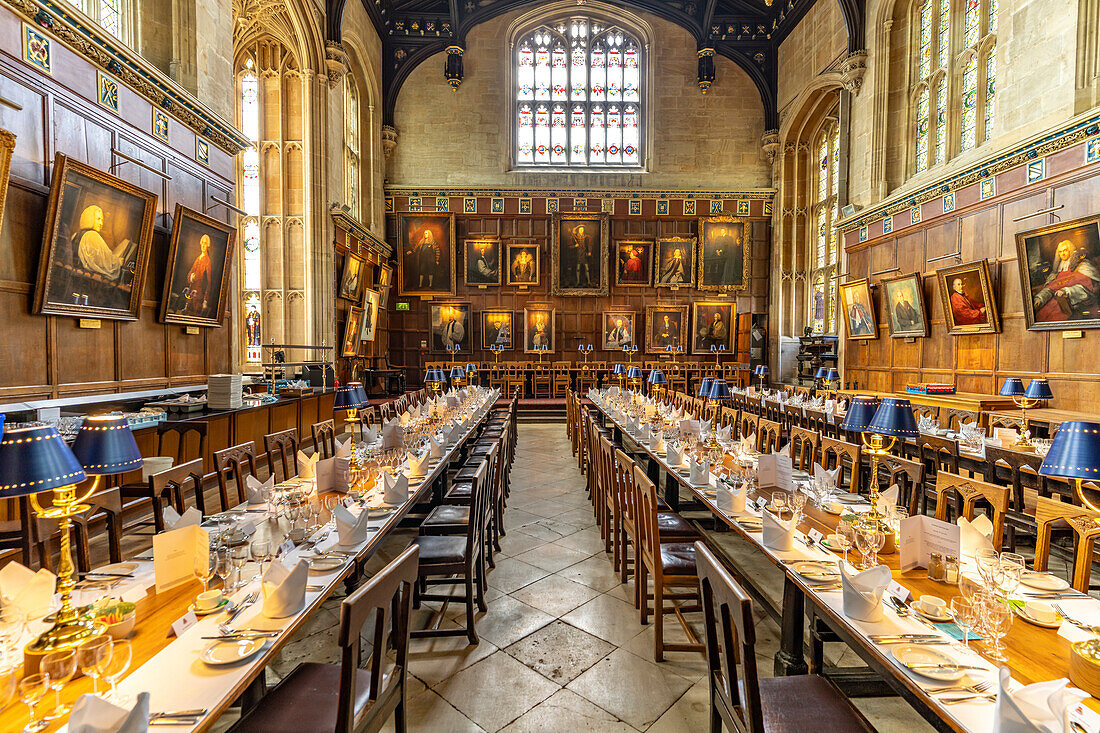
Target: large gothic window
[(953, 96), (251, 263), (824, 252), (579, 93), (352, 157)]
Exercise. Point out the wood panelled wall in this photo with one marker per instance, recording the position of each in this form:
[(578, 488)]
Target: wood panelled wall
[(981, 229), (579, 318), (50, 356)]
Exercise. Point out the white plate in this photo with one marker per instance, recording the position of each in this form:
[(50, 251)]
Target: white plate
[(119, 568), (828, 544), (231, 651), (817, 572), (325, 564), (1042, 581), (1022, 613), (915, 654)]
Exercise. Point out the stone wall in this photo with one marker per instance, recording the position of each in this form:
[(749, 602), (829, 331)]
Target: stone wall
[(815, 44), (461, 138)]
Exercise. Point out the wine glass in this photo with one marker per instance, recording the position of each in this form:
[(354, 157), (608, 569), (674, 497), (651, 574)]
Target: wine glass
[(223, 565), (987, 562), (798, 502), (239, 556), (32, 689), (845, 534), (89, 657), (115, 666), (863, 542), (963, 611), (779, 502), (876, 538), (1012, 567), (261, 553), (60, 666), (968, 587), (206, 570), (997, 618), (7, 685)]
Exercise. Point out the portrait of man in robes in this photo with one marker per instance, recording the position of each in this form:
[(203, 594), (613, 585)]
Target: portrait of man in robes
[(618, 330), (967, 296), (634, 262), (1060, 266), (905, 305), (723, 254), (426, 263), (713, 327), (675, 262), (199, 257), (482, 262), (579, 256), (496, 329), (449, 327)]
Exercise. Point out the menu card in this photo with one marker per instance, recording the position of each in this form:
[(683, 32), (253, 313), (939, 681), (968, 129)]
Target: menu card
[(177, 554), (774, 472), (921, 536)]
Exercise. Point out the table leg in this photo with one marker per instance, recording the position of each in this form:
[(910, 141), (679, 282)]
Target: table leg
[(672, 492), (653, 471), (790, 659), (617, 434)]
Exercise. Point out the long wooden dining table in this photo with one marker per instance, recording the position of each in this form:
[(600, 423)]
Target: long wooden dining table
[(1034, 654), (169, 668)]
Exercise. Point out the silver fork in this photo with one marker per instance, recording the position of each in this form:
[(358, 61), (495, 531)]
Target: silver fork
[(983, 689), (978, 687), (1087, 627)]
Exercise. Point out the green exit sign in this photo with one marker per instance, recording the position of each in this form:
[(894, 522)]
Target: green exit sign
[(402, 306)]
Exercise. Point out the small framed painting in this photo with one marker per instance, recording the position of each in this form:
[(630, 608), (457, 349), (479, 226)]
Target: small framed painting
[(482, 257), (905, 312), (672, 263), (967, 294), (618, 330), (523, 264), (350, 345), (369, 327), (538, 330), (351, 283), (713, 327), (496, 330), (666, 328), (859, 311), (633, 263)]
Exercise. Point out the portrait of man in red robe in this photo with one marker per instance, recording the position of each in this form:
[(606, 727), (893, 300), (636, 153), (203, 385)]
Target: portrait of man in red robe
[(967, 308), (1070, 290)]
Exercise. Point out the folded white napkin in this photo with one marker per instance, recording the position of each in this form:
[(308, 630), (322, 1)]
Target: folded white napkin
[(730, 501), (704, 428), (415, 414), (343, 450), (748, 443), (829, 477), (888, 498), (725, 434), (975, 536), (307, 465), (778, 533), (452, 402), (93, 714), (370, 434), (830, 406), (405, 418), (173, 520), (700, 473), (784, 451), (392, 435), (436, 446), (1042, 707), (254, 490), (351, 529), (418, 465), (674, 456), (657, 443), (643, 433), (397, 488), (284, 589), (26, 590), (863, 592)]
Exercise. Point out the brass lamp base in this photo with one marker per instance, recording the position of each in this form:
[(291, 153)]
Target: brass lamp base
[(65, 635)]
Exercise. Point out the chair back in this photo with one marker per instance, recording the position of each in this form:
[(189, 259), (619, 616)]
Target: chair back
[(770, 435), (645, 519), (189, 437), (324, 438), (622, 479), (909, 476), (234, 464), (748, 424), (1023, 470), (842, 453), (966, 493), (387, 597), (954, 417), (1085, 524), (282, 451), (931, 411), (170, 484), (804, 448), (731, 645)]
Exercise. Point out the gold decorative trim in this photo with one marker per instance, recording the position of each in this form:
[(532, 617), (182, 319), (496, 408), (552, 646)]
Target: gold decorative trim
[(7, 148)]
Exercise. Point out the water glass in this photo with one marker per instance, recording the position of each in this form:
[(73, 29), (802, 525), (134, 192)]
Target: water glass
[(32, 689), (798, 502), (90, 656), (963, 611), (846, 533), (60, 666), (115, 666), (261, 553), (779, 502), (206, 570), (997, 619), (1012, 567), (239, 556), (223, 566)]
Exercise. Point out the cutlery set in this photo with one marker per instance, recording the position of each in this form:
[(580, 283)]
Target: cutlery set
[(177, 717)]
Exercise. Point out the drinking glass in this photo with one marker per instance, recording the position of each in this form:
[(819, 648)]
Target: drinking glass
[(876, 541), (962, 610), (60, 666), (8, 682), (223, 566), (900, 512), (206, 570), (32, 689), (1012, 567), (968, 587), (997, 618), (261, 553), (779, 502), (863, 546), (846, 533), (90, 655), (798, 502), (115, 666), (987, 562), (239, 556)]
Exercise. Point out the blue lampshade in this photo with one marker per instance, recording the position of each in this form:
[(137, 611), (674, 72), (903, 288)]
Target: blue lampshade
[(1074, 452), (456, 372), (36, 459), (704, 387), (894, 417), (1038, 389), (719, 390), (761, 370), (820, 373), (634, 373), (832, 375), (471, 368), (105, 445), (619, 369), (433, 377), (860, 414), (346, 399), (1012, 387), (656, 376)]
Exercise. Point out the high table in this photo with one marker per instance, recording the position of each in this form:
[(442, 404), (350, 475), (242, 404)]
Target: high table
[(1034, 654), (170, 669)]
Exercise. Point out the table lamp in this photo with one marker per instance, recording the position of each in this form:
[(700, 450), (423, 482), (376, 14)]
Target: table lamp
[(452, 349), (471, 373), (348, 399), (497, 351), (876, 434), (761, 372), (656, 380), (717, 350), (620, 373), (719, 393), (1038, 390), (34, 460), (704, 388), (634, 374), (435, 379), (1074, 454), (831, 380)]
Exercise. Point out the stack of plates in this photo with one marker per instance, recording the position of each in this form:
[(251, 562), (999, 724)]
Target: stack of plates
[(224, 391)]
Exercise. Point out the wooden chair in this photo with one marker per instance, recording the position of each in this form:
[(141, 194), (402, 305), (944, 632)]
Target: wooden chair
[(323, 698), (1003, 421), (1086, 528), (170, 486), (931, 411), (181, 433), (560, 379), (804, 448), (235, 464), (748, 424), (324, 438), (107, 502), (670, 565), (937, 454), (841, 453), (1023, 472), (23, 531), (739, 698), (966, 493), (770, 435), (954, 417), (283, 446), (515, 379), (909, 476)]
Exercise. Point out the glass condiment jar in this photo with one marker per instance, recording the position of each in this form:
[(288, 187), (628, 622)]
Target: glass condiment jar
[(952, 570), (937, 571)]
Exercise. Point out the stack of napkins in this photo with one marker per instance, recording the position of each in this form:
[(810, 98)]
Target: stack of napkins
[(284, 589), (224, 391), (93, 714), (862, 592)]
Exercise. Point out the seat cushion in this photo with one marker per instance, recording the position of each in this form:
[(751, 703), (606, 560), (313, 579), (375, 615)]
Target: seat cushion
[(671, 524), (442, 549), (467, 472), (460, 492), (821, 706), (678, 558), (447, 515), (305, 700)]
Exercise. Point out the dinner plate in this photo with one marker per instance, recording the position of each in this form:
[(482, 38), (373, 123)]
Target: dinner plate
[(817, 571), (917, 654), (220, 607), (325, 564), (1042, 581), (231, 651), (119, 568), (827, 543), (1020, 611)]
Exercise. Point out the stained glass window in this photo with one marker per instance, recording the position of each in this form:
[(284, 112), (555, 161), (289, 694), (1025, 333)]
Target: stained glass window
[(824, 249), (352, 174), (990, 90), (578, 95), (941, 120), (970, 103), (113, 16), (251, 271), (922, 129)]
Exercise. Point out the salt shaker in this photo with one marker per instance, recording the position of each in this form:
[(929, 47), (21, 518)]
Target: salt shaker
[(937, 571)]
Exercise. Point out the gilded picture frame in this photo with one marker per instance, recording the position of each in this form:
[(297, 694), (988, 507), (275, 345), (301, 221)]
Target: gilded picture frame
[(426, 254), (618, 329), (903, 298), (966, 291), (351, 280), (670, 270), (95, 246), (7, 149), (205, 247), (450, 325), (713, 324), (368, 330), (482, 262), (575, 262), (539, 328), (659, 335), (498, 328), (633, 262), (860, 323), (723, 254), (350, 345), (1059, 269), (524, 263)]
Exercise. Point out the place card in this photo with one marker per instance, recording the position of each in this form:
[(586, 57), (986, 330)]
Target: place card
[(921, 536), (894, 589), (185, 622), (774, 472), (761, 502), (816, 536), (285, 549), (176, 555)]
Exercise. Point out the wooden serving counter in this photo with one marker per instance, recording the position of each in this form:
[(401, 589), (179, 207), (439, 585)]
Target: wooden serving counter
[(958, 401)]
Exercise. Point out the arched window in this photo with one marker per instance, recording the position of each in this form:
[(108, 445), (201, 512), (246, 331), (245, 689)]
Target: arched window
[(825, 211), (251, 263), (113, 16), (352, 159), (578, 95), (954, 73)]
